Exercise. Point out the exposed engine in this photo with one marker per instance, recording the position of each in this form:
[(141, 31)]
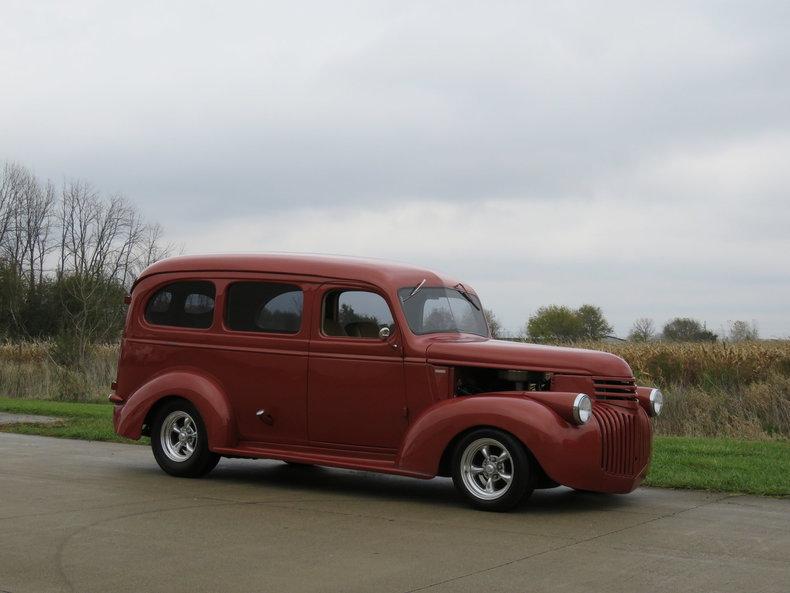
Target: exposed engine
[(472, 380)]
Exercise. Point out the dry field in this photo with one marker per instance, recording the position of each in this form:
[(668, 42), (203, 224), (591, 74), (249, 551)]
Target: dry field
[(725, 390), (27, 371), (739, 390)]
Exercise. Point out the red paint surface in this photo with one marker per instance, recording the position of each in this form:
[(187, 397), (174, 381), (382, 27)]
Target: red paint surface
[(379, 405)]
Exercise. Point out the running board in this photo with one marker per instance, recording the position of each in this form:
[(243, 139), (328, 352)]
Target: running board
[(363, 461)]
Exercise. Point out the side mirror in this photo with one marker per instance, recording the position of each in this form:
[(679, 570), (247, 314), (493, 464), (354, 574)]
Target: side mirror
[(384, 333)]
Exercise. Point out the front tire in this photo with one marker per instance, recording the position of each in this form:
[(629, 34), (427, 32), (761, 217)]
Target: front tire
[(492, 470), (179, 441)]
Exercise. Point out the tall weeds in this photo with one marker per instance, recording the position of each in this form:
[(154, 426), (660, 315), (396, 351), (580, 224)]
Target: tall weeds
[(28, 370), (719, 389)]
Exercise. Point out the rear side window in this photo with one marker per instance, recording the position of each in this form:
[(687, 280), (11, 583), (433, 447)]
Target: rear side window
[(264, 307), (182, 304)]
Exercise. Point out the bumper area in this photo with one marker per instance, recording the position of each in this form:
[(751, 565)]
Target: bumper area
[(116, 416), (613, 456)]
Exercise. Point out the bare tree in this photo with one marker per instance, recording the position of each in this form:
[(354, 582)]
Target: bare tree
[(95, 244), (105, 238), (97, 240), (7, 202), (35, 223), (150, 249), (16, 183), (743, 331), (643, 330), (104, 245), (493, 324), (25, 223)]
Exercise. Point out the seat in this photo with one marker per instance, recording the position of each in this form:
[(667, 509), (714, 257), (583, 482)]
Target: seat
[(333, 328), (363, 329)]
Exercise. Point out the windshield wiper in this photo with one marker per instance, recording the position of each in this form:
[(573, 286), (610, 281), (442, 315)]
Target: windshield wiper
[(465, 294), (415, 290)]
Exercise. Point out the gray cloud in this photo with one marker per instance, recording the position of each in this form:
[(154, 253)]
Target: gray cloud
[(657, 132)]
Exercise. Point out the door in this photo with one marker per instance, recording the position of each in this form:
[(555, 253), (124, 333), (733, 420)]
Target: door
[(264, 364), (356, 387)]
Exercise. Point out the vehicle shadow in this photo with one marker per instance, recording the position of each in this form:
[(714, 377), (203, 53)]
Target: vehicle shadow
[(438, 491)]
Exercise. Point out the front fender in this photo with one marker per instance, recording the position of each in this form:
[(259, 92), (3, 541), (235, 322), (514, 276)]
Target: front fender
[(191, 384), (568, 453)]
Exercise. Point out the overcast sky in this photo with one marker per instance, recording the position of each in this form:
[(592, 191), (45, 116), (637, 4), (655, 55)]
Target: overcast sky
[(633, 155)]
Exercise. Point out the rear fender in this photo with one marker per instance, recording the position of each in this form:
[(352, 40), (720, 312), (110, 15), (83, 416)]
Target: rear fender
[(201, 390), (565, 451)]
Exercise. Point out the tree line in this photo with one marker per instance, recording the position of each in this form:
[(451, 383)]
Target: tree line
[(558, 323), (68, 254)]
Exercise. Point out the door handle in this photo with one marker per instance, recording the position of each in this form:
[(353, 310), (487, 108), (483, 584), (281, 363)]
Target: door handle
[(264, 416)]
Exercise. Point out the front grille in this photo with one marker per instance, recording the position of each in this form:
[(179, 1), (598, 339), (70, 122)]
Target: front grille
[(622, 389), (625, 440)]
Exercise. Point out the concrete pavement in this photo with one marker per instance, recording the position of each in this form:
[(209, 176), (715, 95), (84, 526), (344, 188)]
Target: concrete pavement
[(6, 418), (84, 517)]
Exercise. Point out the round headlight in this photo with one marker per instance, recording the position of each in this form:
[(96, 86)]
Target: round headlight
[(656, 402), (582, 408)]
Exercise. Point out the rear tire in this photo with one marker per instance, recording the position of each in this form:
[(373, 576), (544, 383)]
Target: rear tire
[(179, 441), (492, 470)]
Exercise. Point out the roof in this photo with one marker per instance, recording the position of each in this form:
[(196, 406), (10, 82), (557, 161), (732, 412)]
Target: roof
[(376, 271)]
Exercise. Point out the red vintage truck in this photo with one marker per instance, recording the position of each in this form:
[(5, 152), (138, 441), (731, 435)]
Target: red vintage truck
[(370, 365)]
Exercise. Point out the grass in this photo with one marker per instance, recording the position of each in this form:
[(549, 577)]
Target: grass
[(90, 422), (726, 465)]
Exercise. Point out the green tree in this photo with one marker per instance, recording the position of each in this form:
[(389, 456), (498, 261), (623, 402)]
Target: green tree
[(26, 313), (11, 301), (555, 323), (685, 329), (346, 315), (92, 312), (558, 323), (594, 324)]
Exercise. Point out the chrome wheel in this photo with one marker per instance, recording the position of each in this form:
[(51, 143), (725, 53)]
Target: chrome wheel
[(179, 436), (487, 468), (180, 441)]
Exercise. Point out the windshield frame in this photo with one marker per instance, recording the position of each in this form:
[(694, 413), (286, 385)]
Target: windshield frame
[(405, 296)]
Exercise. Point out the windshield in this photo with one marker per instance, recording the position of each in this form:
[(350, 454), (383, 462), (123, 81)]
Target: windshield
[(435, 310)]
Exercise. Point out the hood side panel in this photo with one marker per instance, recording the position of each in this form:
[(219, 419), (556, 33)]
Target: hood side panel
[(518, 355)]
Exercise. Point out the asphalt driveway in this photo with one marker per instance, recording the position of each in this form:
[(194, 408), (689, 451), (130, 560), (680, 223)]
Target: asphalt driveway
[(83, 517)]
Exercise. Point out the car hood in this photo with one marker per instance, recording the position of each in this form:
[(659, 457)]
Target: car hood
[(518, 355)]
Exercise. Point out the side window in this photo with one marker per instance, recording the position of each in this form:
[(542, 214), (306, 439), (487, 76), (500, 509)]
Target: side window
[(182, 304), (264, 307), (355, 314)]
